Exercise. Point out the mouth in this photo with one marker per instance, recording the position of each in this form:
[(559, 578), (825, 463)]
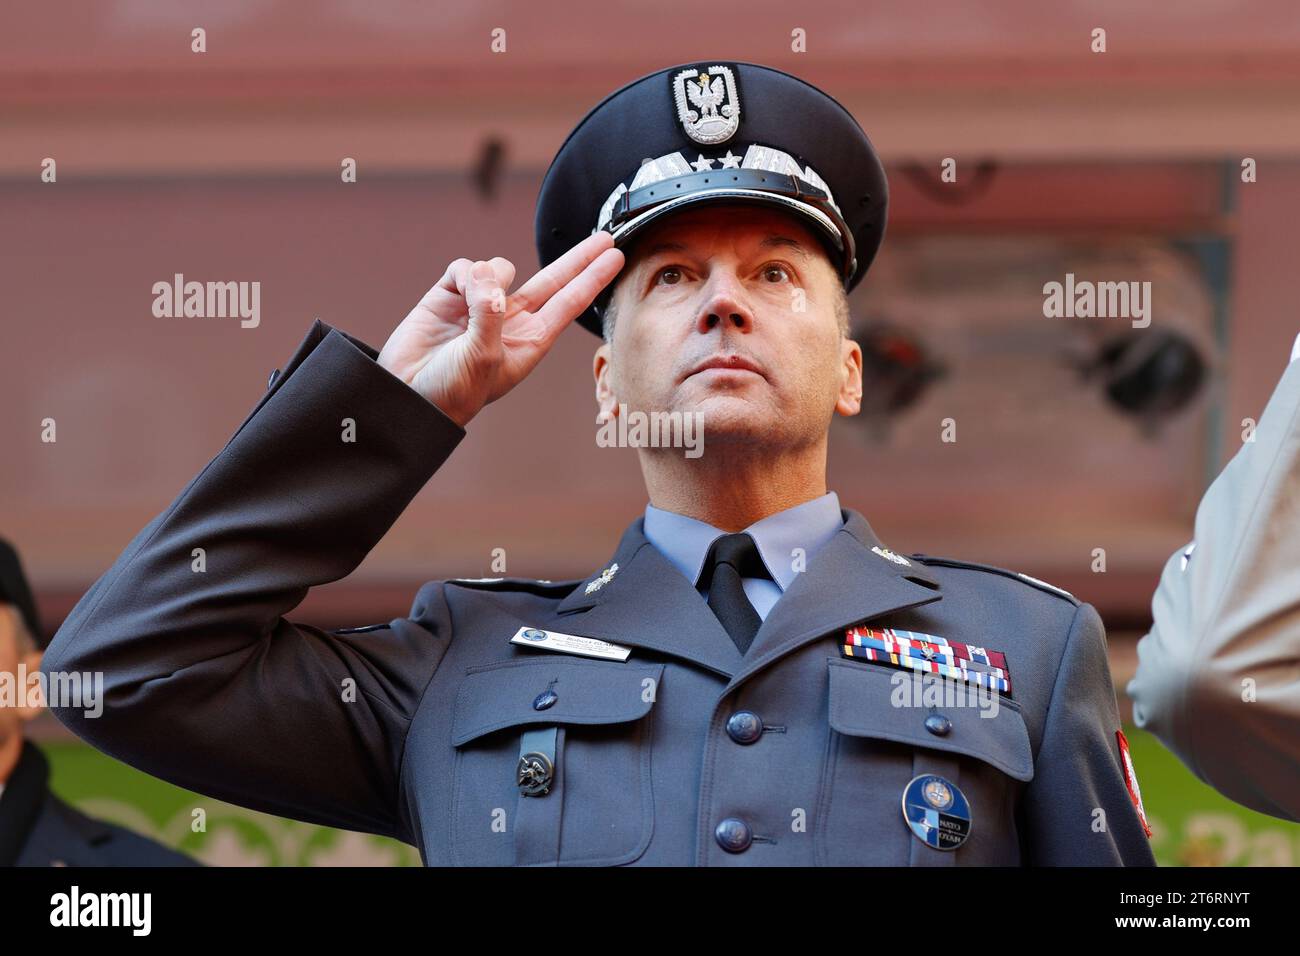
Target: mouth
[(726, 365)]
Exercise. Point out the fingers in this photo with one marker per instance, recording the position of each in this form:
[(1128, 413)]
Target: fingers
[(535, 293), (504, 270), (572, 300), (456, 277), (449, 287), (556, 295), (455, 282)]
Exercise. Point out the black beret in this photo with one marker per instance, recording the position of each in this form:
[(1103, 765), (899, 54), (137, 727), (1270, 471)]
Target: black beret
[(14, 590), (715, 132)]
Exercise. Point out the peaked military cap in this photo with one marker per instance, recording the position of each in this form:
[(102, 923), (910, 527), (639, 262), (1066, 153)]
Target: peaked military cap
[(715, 132)]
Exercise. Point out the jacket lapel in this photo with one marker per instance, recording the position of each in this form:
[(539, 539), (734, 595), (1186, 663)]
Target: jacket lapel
[(845, 583), (647, 603)]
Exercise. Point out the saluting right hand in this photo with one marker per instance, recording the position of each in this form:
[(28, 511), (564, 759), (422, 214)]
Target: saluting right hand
[(467, 342)]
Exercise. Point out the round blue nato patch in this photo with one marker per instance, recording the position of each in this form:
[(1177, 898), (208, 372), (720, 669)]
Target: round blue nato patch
[(936, 812), (533, 634)]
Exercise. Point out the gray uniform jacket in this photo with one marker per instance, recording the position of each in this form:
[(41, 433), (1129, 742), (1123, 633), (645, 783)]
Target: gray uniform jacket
[(1218, 676), (208, 686)]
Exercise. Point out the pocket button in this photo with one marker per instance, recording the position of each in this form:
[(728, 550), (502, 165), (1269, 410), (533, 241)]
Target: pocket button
[(938, 724)]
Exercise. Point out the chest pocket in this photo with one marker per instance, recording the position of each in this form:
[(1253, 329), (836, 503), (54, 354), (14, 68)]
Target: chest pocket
[(879, 740), (597, 808)]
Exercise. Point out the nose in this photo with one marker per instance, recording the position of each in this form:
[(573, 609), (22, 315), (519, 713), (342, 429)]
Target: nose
[(725, 305)]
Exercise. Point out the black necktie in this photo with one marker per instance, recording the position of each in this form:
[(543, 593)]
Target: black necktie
[(732, 557)]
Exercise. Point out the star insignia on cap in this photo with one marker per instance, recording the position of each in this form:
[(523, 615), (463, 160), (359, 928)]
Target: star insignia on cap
[(730, 162), (702, 164), (605, 577)]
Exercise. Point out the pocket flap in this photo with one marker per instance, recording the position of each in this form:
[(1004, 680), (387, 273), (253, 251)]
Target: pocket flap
[(862, 704), (586, 692)]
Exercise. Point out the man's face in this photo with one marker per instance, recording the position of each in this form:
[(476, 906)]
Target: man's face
[(731, 311)]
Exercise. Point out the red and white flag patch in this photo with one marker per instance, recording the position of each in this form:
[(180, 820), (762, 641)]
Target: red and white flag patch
[(1131, 781)]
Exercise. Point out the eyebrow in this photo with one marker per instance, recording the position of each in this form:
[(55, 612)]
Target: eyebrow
[(785, 242), (659, 247)]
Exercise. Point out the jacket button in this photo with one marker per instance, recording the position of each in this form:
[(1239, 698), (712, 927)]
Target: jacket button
[(745, 727), (938, 724), (275, 372), (546, 698), (733, 835)]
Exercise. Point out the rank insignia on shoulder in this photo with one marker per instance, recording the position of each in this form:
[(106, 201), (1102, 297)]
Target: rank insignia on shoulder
[(1043, 584), (933, 561), (890, 556), (929, 654)]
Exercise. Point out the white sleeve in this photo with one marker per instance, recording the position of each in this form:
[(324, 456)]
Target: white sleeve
[(1218, 678)]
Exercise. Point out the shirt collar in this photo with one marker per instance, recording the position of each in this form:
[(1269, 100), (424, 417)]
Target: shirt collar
[(685, 542)]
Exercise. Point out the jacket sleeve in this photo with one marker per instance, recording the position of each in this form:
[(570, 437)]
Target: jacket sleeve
[(204, 682), (1218, 678), (1078, 809)]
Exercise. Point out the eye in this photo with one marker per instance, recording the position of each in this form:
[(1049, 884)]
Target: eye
[(776, 272), (670, 275)]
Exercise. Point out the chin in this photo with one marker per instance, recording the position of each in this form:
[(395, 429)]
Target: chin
[(730, 418)]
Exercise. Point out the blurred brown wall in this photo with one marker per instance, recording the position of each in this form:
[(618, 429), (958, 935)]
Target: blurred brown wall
[(225, 166)]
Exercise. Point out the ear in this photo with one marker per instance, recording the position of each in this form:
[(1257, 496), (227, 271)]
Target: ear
[(849, 401), (32, 661), (606, 400)]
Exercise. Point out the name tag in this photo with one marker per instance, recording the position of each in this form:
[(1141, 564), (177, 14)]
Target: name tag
[(570, 644)]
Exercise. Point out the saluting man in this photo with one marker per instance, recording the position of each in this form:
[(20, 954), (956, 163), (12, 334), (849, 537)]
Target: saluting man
[(752, 678)]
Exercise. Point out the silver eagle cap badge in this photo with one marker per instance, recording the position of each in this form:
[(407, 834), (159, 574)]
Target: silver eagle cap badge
[(707, 103)]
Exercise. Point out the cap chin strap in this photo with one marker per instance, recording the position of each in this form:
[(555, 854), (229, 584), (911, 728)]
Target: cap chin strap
[(764, 175), (757, 158), (827, 224)]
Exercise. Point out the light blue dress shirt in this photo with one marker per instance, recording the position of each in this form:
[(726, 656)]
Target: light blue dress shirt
[(685, 542)]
